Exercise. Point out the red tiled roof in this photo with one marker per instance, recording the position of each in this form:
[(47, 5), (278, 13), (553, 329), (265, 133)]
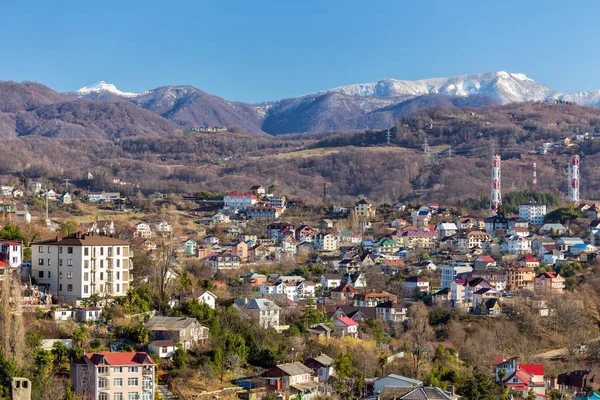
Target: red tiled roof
[(487, 259), (3, 264), (129, 358), (10, 243), (531, 259), (532, 369), (347, 321)]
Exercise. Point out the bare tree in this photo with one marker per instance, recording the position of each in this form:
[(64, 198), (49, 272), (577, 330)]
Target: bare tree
[(419, 332)]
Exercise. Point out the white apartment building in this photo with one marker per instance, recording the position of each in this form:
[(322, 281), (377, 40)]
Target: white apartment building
[(533, 212), (239, 201), (449, 273), (75, 267), (114, 376)]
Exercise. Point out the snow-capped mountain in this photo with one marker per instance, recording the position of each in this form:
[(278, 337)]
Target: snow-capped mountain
[(369, 105), (103, 87)]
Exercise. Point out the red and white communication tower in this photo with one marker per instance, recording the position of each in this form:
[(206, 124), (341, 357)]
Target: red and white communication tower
[(534, 173), (496, 198), (574, 177)]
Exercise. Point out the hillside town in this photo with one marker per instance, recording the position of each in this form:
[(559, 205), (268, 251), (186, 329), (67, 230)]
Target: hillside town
[(254, 295)]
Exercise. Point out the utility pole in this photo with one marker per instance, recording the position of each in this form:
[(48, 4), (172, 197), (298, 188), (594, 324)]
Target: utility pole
[(450, 153), (389, 137)]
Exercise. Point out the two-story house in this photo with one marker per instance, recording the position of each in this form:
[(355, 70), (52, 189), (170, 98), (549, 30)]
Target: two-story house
[(187, 331)]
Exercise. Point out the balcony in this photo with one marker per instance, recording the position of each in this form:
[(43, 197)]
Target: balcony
[(148, 371)]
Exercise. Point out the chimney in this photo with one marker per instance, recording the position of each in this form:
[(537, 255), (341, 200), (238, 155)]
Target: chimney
[(58, 238), (450, 389)]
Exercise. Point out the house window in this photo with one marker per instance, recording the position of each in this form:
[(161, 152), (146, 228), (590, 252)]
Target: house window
[(132, 381), (60, 274), (49, 274), (49, 249), (69, 275), (86, 251), (60, 250), (103, 396), (70, 262), (86, 276), (85, 289), (132, 369), (41, 261), (101, 263), (41, 249), (132, 396), (163, 350), (48, 262), (101, 276), (118, 289), (60, 263), (86, 264), (118, 396), (118, 251), (60, 287), (103, 370), (118, 263), (103, 383), (41, 274), (101, 251), (118, 381), (69, 250), (69, 288)]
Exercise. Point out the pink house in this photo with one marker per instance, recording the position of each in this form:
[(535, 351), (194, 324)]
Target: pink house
[(114, 376)]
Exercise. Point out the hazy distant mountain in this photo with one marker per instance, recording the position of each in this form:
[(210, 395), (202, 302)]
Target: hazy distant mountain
[(371, 105)]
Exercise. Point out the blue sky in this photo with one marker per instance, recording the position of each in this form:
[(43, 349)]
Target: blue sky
[(266, 50)]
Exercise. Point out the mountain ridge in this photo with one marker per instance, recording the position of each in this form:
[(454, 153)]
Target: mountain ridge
[(356, 106)]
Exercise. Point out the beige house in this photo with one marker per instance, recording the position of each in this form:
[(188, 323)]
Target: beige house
[(187, 331), (114, 376), (549, 283), (364, 209)]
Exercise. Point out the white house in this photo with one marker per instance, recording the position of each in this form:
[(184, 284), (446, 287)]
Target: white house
[(203, 296), (163, 227), (162, 348), (518, 245), (88, 314), (344, 326), (447, 229), (330, 281)]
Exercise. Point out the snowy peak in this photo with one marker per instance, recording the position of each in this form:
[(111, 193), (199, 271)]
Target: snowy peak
[(103, 87), (503, 86)]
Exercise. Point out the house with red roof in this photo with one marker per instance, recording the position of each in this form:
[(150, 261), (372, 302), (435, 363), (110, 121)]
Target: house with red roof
[(11, 253), (521, 377), (344, 326), (529, 261), (483, 263), (104, 376)]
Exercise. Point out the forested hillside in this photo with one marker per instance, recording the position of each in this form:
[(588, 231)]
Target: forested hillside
[(119, 139)]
